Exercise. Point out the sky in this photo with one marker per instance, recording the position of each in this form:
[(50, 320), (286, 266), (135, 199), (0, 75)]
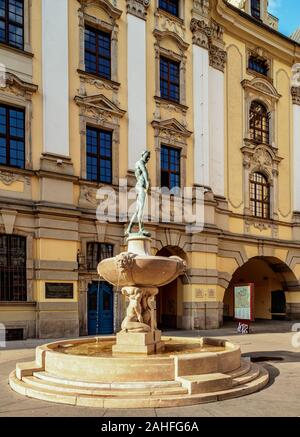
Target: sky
[(288, 12)]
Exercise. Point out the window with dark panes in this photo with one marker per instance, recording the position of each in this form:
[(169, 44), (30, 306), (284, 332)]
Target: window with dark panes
[(98, 52), (259, 65), (255, 8), (259, 123), (171, 6), (170, 167), (97, 252), (12, 23), (169, 79), (259, 196), (13, 284), (99, 155), (12, 136)]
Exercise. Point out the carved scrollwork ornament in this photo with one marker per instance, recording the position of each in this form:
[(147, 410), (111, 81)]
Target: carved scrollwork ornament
[(138, 8)]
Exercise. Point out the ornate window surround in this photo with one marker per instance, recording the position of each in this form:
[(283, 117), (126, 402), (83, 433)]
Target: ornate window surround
[(173, 134), (261, 54), (261, 159), (179, 56), (263, 91), (98, 111), (111, 27), (19, 93)]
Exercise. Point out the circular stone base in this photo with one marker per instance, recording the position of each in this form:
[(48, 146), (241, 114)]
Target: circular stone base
[(84, 372)]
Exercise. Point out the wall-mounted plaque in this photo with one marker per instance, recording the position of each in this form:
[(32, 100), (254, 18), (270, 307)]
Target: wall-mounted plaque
[(55, 290)]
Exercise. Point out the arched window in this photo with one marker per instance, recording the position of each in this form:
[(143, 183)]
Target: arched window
[(255, 8), (259, 196), (259, 123)]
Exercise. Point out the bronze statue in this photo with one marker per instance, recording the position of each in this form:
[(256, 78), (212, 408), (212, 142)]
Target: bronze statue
[(142, 187)]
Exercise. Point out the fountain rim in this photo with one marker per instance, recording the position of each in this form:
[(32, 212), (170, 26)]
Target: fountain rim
[(228, 346)]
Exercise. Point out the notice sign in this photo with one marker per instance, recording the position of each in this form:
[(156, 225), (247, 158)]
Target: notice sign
[(59, 290), (243, 302)]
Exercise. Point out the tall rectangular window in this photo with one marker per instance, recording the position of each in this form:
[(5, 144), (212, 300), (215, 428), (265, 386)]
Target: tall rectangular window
[(255, 8), (99, 155), (171, 6), (98, 52), (13, 285), (170, 79), (12, 23), (170, 167), (12, 136), (97, 252)]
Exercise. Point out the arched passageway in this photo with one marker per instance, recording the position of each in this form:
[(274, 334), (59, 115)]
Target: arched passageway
[(169, 299), (271, 278)]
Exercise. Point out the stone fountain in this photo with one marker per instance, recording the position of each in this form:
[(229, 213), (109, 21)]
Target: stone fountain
[(138, 367)]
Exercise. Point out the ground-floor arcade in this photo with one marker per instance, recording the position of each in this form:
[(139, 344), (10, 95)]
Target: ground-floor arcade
[(66, 297)]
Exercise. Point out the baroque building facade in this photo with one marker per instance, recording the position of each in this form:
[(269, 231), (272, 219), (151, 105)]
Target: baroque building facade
[(213, 89)]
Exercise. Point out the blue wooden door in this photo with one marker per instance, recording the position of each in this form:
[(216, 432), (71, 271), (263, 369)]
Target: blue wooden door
[(100, 308)]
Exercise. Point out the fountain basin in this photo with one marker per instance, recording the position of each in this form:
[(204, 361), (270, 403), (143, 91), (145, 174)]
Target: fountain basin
[(190, 371), (128, 269)]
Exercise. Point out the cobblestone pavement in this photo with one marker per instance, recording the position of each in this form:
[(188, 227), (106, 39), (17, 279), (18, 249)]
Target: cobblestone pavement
[(271, 341)]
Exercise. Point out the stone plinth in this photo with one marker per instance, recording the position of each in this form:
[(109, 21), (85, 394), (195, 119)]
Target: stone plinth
[(139, 342)]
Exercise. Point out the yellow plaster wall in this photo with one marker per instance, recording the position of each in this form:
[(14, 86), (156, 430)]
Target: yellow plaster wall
[(234, 122), (56, 250)]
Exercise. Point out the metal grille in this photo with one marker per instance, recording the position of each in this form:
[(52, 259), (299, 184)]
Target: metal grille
[(13, 285), (96, 252)]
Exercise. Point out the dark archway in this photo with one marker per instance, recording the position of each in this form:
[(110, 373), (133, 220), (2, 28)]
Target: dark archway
[(271, 278), (169, 298)]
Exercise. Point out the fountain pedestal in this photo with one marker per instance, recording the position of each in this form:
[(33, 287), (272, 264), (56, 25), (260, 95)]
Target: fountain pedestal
[(139, 328), (147, 343), (140, 273)]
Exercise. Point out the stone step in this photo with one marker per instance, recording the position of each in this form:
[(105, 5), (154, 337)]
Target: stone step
[(104, 392), (245, 367), (247, 377), (207, 383), (45, 376), (134, 401), (250, 387)]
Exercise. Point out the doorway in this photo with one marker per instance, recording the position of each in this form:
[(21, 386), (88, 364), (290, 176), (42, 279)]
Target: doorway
[(100, 308), (278, 305)]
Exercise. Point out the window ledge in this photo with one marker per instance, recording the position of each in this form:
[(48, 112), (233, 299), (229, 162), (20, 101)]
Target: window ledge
[(16, 170), (170, 16), (109, 83), (255, 73), (180, 106), (95, 184), (16, 50), (17, 303)]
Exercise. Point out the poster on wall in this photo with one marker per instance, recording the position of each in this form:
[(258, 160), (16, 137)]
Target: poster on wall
[(243, 302)]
